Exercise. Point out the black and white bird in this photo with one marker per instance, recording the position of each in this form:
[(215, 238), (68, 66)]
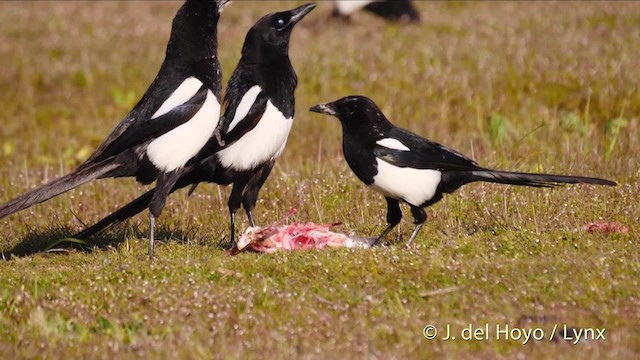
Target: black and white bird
[(406, 167), (170, 124), (391, 10), (259, 109)]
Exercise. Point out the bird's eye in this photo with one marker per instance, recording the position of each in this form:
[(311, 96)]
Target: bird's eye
[(280, 23)]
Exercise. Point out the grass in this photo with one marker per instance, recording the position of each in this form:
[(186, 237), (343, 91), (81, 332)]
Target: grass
[(534, 86)]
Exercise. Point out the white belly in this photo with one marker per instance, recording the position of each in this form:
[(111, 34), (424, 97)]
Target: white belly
[(264, 142), (415, 186), (173, 149), (348, 7)]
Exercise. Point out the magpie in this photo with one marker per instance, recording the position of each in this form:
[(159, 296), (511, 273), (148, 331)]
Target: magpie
[(406, 167), (170, 124), (391, 10), (259, 108)]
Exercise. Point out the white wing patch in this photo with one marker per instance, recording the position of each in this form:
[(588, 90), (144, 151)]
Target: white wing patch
[(173, 149), (245, 105), (181, 95), (264, 142), (415, 186), (392, 144)]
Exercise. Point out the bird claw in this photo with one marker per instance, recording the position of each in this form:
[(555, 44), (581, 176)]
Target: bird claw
[(218, 136), (231, 245)]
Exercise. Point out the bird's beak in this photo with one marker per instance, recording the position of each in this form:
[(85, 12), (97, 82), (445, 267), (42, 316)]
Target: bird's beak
[(300, 12), (324, 109)]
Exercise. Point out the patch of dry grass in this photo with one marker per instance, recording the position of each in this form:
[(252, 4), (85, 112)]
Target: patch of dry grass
[(535, 86)]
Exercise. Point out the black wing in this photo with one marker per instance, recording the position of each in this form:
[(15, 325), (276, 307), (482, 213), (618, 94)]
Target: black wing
[(136, 129), (394, 10), (246, 124), (422, 154)]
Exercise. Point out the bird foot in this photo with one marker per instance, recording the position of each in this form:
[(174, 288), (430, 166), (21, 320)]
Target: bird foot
[(218, 136), (379, 241), (231, 245)]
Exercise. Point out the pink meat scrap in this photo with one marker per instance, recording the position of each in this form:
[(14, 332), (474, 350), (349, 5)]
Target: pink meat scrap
[(604, 227), (296, 236)]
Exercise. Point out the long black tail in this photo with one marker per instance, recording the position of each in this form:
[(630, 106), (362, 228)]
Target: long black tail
[(81, 175), (535, 180), (191, 176), (131, 209)]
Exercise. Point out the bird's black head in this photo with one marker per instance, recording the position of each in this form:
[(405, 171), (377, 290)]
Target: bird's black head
[(354, 112), (194, 35), (269, 37)]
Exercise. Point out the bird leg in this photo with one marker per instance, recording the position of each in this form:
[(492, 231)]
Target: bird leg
[(420, 217), (414, 233), (384, 233), (250, 217), (164, 184), (232, 237), (234, 204), (394, 215), (152, 228), (250, 195)]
